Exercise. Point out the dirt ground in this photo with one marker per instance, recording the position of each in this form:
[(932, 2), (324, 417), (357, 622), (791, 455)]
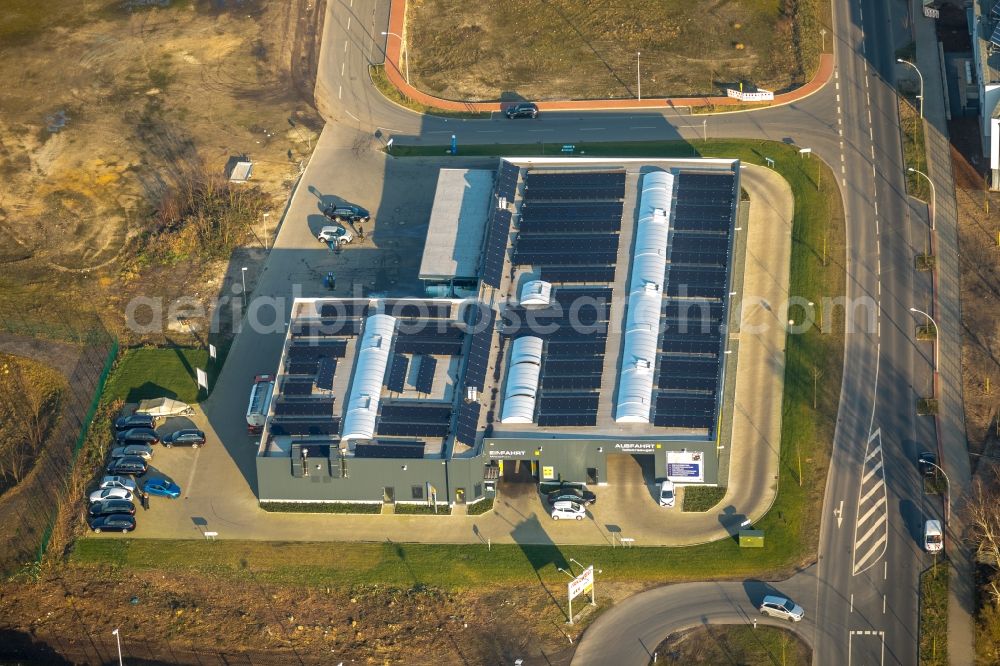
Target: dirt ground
[(723, 644), (178, 618), (563, 49), (106, 101), (979, 247)]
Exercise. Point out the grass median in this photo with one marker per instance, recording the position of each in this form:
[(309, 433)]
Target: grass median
[(934, 614), (791, 527)]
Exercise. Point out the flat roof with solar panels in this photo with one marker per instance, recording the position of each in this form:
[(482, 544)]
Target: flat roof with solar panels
[(598, 325)]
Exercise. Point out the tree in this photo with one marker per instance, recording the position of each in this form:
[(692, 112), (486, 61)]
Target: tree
[(29, 408)]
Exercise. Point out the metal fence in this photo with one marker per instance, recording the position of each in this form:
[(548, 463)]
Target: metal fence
[(28, 510)]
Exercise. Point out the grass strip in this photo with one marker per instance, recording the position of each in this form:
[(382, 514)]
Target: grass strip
[(914, 152), (394, 94), (934, 614), (702, 498), (161, 372), (791, 527)]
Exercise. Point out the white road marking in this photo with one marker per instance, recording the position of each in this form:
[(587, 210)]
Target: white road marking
[(354, 116), (869, 118), (883, 604), (348, 22), (843, 169), (837, 84), (873, 152), (838, 98), (852, 603), (885, 571), (342, 66), (345, 46), (839, 512), (592, 129), (190, 481), (875, 468), (868, 514), (340, 92), (876, 207)]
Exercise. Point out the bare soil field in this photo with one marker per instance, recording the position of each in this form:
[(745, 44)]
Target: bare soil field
[(978, 235), (565, 49), (106, 102), (734, 644), (172, 617)]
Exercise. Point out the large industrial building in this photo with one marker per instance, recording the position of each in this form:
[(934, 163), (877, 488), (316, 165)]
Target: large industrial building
[(579, 310)]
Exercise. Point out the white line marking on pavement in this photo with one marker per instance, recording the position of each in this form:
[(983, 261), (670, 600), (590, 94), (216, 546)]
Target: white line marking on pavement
[(873, 151), (348, 22), (342, 66), (837, 84), (194, 468), (878, 547), (843, 169), (874, 489), (883, 604), (869, 115), (838, 98), (875, 468), (345, 46), (879, 266), (885, 571), (354, 116), (839, 512), (592, 129), (340, 91), (868, 514), (842, 158), (843, 182), (876, 207), (852, 603), (871, 133)]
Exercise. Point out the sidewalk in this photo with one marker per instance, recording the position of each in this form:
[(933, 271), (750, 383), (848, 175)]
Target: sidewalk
[(397, 21), (953, 449)]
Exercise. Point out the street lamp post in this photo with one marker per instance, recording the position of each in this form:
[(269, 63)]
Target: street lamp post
[(933, 194), (947, 484), (937, 337), (118, 642), (243, 277), (402, 49), (638, 77), (921, 76)]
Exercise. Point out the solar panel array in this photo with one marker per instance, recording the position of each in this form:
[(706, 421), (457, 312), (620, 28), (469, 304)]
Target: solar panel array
[(577, 185), (468, 423), (303, 351), (425, 374), (447, 341), (296, 387), (327, 328), (324, 373), (495, 248), (418, 309), (299, 427), (390, 449), (568, 274), (695, 306), (414, 420), (397, 373), (308, 407), (482, 324), (345, 308), (507, 180), (562, 217)]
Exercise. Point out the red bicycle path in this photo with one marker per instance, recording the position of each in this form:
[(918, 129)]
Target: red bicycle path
[(397, 19)]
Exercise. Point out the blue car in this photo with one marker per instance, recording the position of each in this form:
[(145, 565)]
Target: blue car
[(162, 487)]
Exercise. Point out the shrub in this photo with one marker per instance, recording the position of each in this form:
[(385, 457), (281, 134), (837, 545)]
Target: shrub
[(320, 507)]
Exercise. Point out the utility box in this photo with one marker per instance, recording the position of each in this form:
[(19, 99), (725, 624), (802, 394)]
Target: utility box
[(751, 538)]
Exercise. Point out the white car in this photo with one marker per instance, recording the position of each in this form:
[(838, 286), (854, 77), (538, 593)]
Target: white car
[(933, 536), (783, 608), (111, 493), (118, 482), (335, 234), (667, 496), (144, 451), (564, 510)]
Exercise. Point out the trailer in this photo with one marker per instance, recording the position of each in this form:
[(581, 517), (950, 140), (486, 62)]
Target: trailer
[(260, 402)]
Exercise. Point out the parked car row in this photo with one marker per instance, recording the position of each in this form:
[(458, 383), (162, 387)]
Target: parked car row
[(112, 504)]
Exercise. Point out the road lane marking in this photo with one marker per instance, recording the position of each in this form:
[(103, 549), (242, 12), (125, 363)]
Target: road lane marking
[(838, 98), (868, 514), (348, 22), (869, 545), (839, 512), (345, 46), (885, 571), (592, 129), (352, 115), (340, 92), (342, 66), (852, 603), (883, 604)]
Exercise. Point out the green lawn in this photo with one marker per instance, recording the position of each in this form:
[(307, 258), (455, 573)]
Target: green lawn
[(934, 614), (155, 372), (702, 498), (735, 644), (791, 527)]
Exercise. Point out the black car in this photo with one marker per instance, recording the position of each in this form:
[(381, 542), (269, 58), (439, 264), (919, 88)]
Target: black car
[(927, 462), (135, 421), (522, 110), (111, 506), (572, 494), (116, 522), (188, 437), (127, 465), (138, 436), (347, 212)]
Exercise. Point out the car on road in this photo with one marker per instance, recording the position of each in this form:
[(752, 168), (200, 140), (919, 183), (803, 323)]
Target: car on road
[(138, 436), (111, 493), (144, 451), (933, 536), (564, 510), (347, 212), (116, 522), (110, 506), (927, 463), (335, 234), (127, 465), (117, 482), (161, 487), (522, 110), (571, 494), (667, 496), (782, 608), (135, 421), (187, 437)]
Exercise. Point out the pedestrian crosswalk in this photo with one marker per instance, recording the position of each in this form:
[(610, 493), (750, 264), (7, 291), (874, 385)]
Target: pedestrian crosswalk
[(871, 528)]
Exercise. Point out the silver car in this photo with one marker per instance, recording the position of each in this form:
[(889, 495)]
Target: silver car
[(117, 482), (144, 451), (783, 608)]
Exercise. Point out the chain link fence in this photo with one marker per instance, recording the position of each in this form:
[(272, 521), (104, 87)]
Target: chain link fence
[(28, 510)]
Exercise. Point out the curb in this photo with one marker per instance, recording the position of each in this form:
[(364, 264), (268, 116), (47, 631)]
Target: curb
[(393, 51)]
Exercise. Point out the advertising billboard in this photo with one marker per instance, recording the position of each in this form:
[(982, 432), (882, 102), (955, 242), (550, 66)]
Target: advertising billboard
[(685, 466)]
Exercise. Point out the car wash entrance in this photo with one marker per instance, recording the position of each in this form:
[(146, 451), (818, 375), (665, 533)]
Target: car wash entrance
[(518, 471)]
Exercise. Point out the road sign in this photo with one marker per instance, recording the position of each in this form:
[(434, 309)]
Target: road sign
[(582, 584), (202, 378), (769, 162), (568, 148)]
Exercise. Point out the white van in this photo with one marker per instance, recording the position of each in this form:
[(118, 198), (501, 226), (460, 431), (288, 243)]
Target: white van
[(933, 536), (566, 510)]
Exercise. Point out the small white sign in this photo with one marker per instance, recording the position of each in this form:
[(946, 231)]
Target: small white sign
[(212, 352), (202, 378), (582, 583)]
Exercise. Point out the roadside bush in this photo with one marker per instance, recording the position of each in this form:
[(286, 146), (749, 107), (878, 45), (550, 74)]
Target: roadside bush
[(482, 506), (422, 509), (320, 507)]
